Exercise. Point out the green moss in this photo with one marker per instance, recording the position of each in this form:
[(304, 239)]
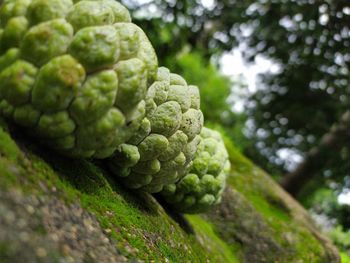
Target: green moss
[(257, 190), (141, 228), (276, 215), (254, 184), (269, 210), (149, 233), (206, 230), (10, 155), (4, 252), (344, 257), (289, 234), (7, 177), (8, 147)]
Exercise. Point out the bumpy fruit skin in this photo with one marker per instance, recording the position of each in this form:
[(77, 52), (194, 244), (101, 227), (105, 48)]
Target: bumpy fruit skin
[(202, 187), (74, 73), (163, 149)]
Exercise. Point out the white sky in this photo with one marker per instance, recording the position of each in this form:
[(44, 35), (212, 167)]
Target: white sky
[(232, 64), (208, 3), (344, 198)]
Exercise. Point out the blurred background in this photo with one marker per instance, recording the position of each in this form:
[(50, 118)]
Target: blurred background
[(274, 78)]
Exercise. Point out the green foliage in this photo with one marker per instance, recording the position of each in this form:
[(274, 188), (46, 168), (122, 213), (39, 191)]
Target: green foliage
[(176, 24), (341, 238), (304, 39), (324, 201)]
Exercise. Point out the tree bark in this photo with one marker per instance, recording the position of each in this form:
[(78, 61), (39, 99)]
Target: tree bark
[(334, 140)]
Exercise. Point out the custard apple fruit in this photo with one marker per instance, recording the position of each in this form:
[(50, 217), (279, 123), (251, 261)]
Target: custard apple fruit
[(74, 73), (202, 187), (163, 148)]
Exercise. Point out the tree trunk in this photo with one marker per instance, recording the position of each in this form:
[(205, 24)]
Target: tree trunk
[(332, 141)]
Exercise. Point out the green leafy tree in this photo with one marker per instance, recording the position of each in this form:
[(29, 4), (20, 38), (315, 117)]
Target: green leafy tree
[(294, 108), (300, 107), (174, 24)]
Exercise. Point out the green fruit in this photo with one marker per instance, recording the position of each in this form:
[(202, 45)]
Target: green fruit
[(162, 150), (74, 73), (202, 187)]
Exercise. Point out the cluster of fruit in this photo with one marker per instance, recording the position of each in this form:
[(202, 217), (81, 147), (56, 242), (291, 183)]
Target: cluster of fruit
[(84, 80)]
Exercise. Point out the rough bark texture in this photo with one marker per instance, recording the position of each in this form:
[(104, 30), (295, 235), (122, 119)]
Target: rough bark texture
[(54, 209), (317, 156)]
